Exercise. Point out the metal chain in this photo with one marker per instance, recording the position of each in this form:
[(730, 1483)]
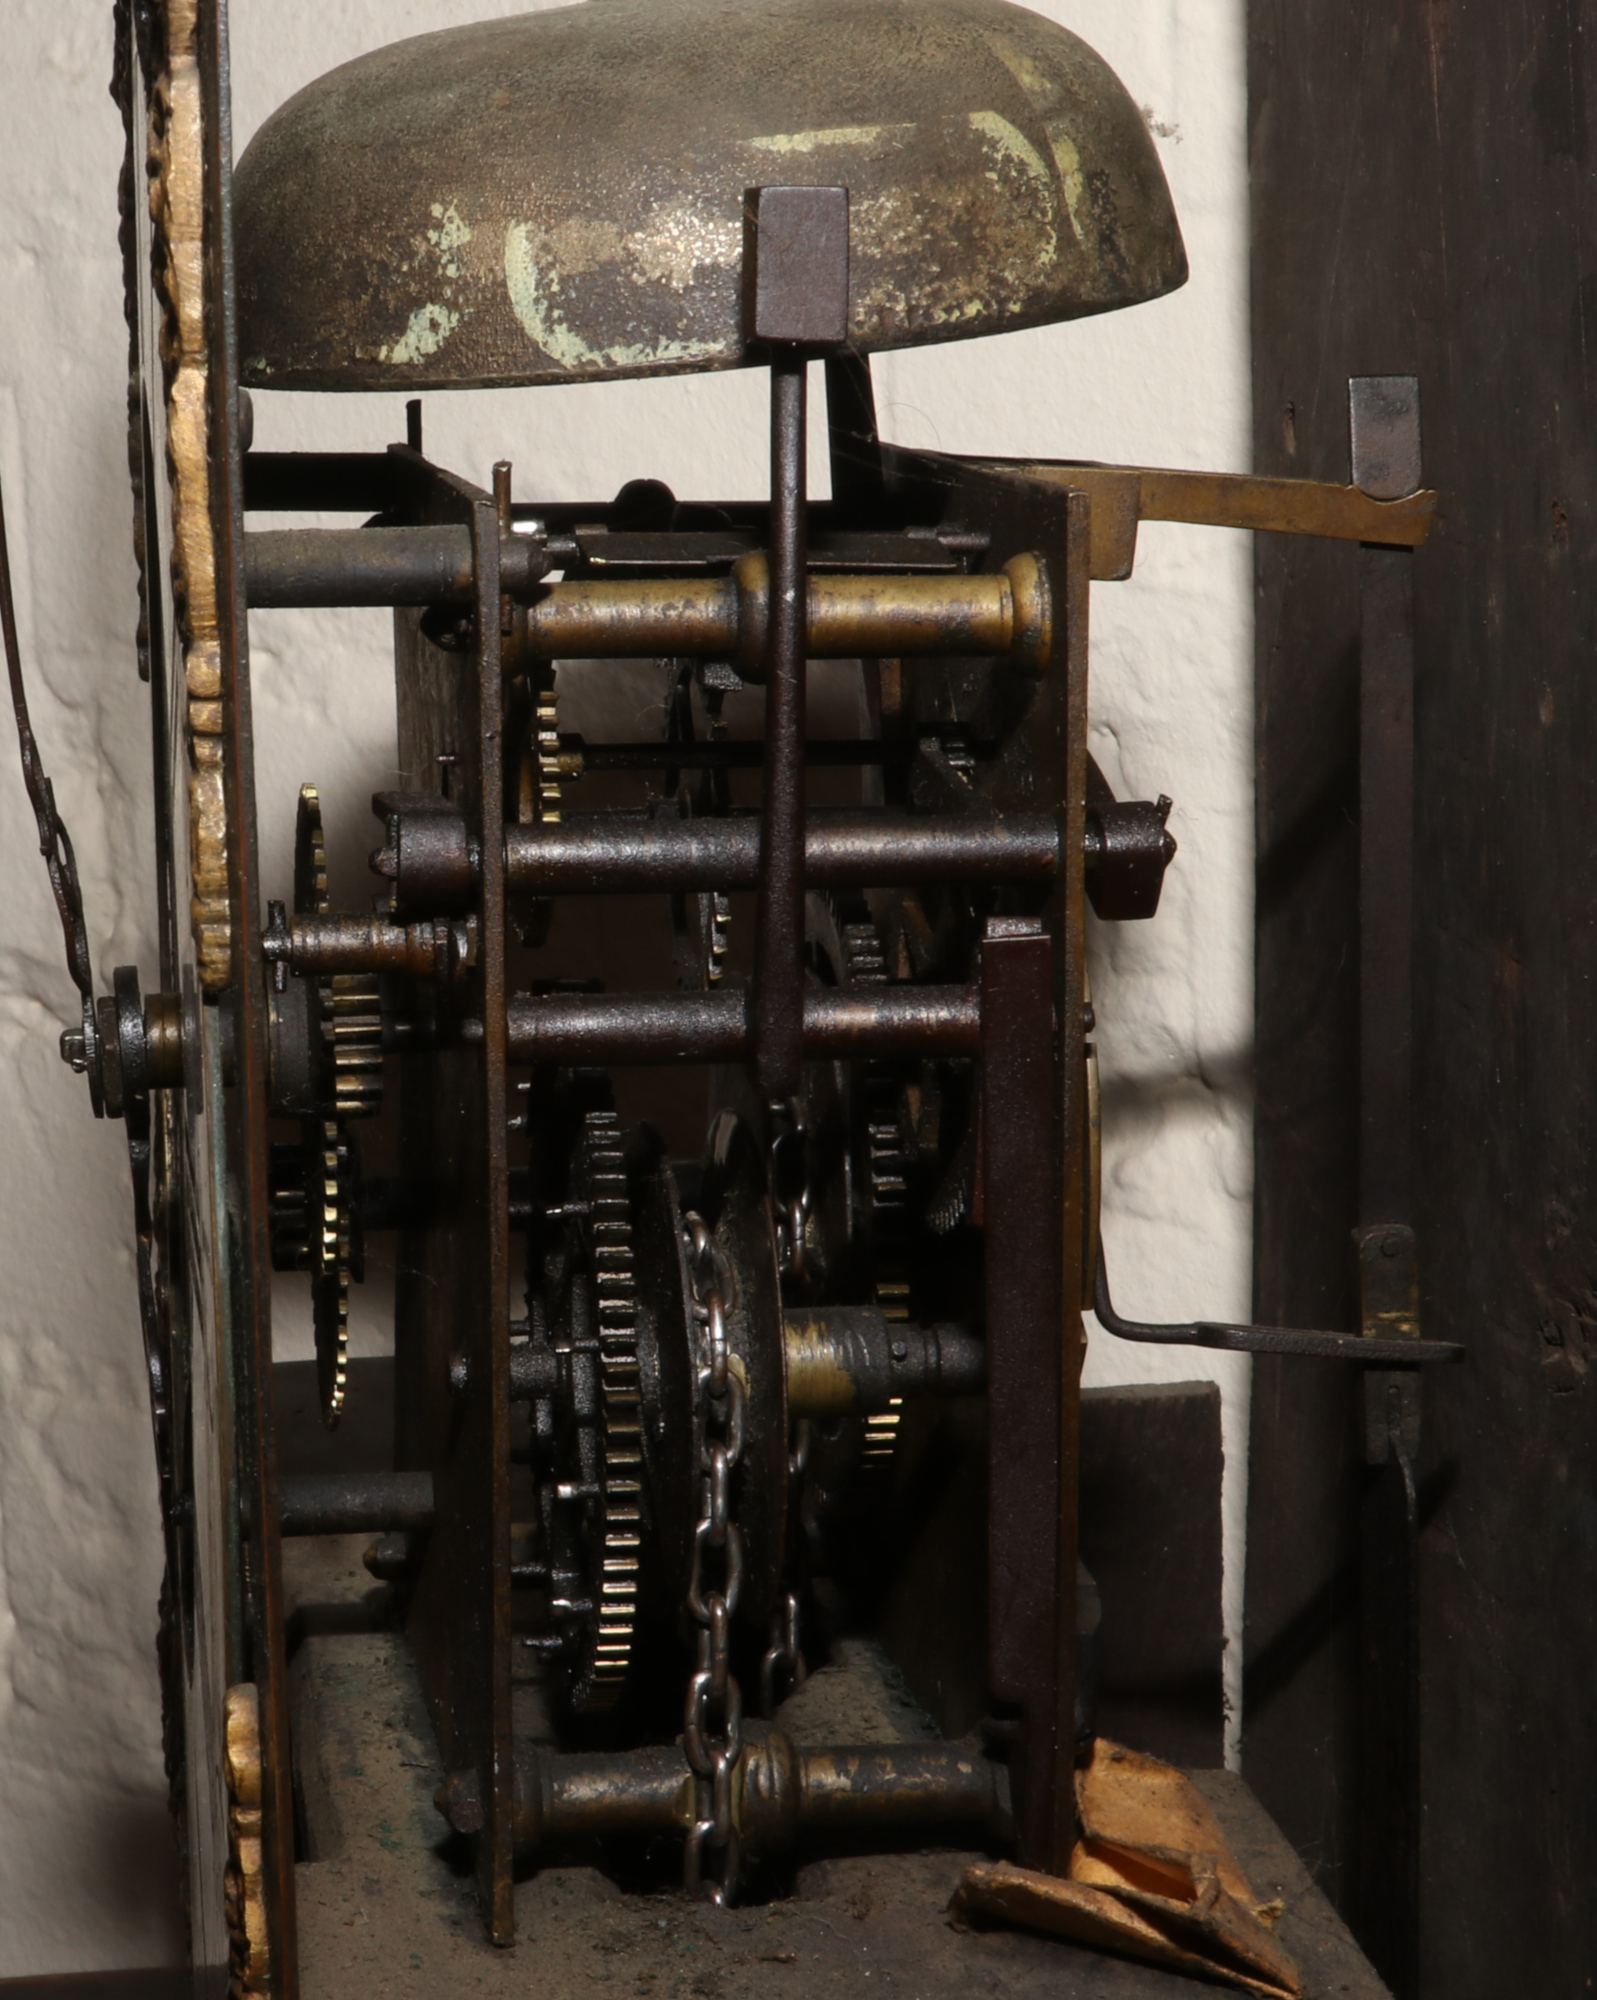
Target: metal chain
[(783, 1668), (712, 1733), (790, 1184)]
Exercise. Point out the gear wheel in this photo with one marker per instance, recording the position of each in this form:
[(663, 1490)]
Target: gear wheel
[(316, 1229), (352, 1025), (715, 931), (535, 766), (887, 1179), (334, 1261), (593, 1478), (351, 1003), (352, 1030), (616, 1313), (546, 725), (310, 856), (701, 927), (701, 924)]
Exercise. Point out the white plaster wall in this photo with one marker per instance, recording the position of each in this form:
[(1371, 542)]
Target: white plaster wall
[(85, 1868)]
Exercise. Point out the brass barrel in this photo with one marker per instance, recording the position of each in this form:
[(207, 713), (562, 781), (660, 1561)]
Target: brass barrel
[(849, 617)]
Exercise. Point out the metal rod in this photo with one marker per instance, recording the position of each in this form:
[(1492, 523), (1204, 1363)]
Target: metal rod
[(722, 618), (1386, 895), (320, 946), (877, 1786), (779, 934), (622, 1028), (289, 568), (781, 1792), (629, 854), (353, 1503), (741, 754)]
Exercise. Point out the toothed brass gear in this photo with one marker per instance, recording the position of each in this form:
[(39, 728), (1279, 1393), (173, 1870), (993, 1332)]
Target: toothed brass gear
[(351, 1025), (316, 1230), (865, 964), (594, 1495), (616, 1299), (310, 856), (701, 939), (546, 730), (881, 1426), (333, 1261), (351, 1003), (540, 769)]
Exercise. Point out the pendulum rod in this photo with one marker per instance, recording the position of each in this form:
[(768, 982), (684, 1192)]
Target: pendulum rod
[(779, 944)]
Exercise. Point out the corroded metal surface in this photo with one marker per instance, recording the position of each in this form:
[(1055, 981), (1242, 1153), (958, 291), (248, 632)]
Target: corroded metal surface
[(176, 173), (560, 196)]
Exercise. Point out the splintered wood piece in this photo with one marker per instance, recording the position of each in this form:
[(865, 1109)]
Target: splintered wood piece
[(1155, 1820), (1151, 1876), (1182, 1936)]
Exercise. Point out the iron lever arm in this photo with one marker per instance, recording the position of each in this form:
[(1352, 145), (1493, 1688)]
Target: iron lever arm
[(1266, 1339)]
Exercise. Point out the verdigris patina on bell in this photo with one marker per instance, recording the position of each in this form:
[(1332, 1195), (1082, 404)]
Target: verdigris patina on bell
[(559, 196)]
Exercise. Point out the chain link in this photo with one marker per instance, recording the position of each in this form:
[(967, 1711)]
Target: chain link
[(783, 1668), (790, 1183), (712, 1732)]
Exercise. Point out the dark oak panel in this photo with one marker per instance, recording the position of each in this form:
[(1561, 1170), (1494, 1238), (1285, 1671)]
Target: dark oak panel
[(1421, 187)]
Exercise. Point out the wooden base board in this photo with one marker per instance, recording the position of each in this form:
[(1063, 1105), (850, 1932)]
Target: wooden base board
[(385, 1907)]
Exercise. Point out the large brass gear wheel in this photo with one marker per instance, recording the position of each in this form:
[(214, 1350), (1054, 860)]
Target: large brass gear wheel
[(616, 1314), (591, 1474), (332, 1176)]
